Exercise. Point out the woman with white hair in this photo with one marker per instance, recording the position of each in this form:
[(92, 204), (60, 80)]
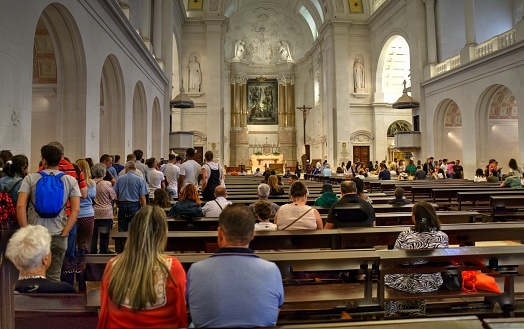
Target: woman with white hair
[(30, 251)]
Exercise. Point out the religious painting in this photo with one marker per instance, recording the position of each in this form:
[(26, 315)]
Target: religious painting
[(262, 102), (195, 4), (355, 6)]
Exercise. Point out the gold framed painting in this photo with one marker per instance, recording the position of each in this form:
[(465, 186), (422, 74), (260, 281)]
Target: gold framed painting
[(355, 6), (195, 4)]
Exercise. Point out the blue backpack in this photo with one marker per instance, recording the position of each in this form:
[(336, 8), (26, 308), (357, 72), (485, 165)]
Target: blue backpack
[(49, 195)]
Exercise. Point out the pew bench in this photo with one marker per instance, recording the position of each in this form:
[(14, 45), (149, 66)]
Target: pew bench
[(338, 238), (499, 261), (506, 206), (479, 200), (50, 311)]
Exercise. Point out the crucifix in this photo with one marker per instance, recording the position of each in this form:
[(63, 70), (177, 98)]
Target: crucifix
[(266, 140), (305, 110)]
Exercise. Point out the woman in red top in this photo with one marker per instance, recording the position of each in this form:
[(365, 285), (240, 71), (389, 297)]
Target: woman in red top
[(141, 287)]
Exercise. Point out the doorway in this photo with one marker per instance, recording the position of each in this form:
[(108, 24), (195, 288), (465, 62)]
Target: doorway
[(361, 153), (199, 154)]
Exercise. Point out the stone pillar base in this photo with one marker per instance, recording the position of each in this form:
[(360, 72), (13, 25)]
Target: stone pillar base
[(239, 147)]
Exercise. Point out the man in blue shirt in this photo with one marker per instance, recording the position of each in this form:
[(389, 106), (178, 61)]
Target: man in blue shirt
[(131, 192), (234, 288)]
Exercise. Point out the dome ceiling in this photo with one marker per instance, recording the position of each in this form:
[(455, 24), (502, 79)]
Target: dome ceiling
[(262, 28)]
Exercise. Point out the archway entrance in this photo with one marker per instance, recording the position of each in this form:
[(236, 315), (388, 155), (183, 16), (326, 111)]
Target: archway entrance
[(58, 93), (112, 108)]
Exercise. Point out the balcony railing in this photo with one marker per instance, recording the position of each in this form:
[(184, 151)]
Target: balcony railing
[(494, 44)]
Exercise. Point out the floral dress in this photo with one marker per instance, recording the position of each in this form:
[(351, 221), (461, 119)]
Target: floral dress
[(415, 282)]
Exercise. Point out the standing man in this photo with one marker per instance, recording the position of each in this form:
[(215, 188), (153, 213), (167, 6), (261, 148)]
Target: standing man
[(234, 288), (131, 192), (212, 176), (349, 197), (59, 226), (189, 170), (172, 172), (140, 166), (116, 164), (111, 173), (458, 171)]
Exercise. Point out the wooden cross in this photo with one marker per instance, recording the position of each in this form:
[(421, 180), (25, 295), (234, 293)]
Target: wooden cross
[(305, 110)]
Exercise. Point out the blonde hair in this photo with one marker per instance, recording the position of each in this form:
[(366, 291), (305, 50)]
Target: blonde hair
[(84, 166), (132, 274), (272, 181)]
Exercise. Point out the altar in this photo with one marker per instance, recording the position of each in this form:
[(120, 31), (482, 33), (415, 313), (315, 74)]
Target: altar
[(266, 159)]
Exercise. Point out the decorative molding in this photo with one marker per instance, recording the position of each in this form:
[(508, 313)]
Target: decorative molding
[(199, 137), (361, 137), (15, 118), (340, 6), (213, 5)]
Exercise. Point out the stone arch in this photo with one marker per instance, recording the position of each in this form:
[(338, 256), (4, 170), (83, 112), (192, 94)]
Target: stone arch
[(112, 108), (59, 84), (448, 130), (140, 123), (399, 125), (393, 68), (497, 124), (361, 136), (157, 130)]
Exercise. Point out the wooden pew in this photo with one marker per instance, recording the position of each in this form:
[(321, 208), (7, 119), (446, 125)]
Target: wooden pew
[(294, 262), (382, 219), (470, 199), (497, 259), (338, 238), (456, 322), (506, 206), (49, 311)]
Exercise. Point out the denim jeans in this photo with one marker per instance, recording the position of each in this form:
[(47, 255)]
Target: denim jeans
[(126, 211), (102, 226)]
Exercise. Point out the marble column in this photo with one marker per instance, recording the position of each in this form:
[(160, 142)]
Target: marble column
[(431, 31), (281, 104), (157, 30), (290, 105), (469, 21), (145, 22), (232, 102)]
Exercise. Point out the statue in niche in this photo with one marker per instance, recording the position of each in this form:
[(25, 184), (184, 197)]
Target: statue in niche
[(359, 75), (195, 75), (239, 49), (283, 49)]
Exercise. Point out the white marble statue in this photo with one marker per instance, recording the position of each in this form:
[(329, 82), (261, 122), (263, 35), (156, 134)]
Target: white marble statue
[(239, 49), (195, 75), (283, 49), (359, 76)]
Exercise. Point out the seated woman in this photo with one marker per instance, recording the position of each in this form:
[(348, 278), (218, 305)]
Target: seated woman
[(479, 176), (142, 288), (30, 251), (425, 234), (360, 189), (296, 215), (161, 198), (274, 187), (188, 204)]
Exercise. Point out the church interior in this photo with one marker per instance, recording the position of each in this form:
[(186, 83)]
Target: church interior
[(268, 84), (276, 79)]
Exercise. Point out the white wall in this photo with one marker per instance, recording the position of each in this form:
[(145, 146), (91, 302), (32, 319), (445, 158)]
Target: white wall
[(491, 18)]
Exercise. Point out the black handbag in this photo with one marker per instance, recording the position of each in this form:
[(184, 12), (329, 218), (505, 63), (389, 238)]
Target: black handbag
[(452, 279)]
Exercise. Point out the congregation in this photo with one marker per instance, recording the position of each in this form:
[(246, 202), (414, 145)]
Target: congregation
[(144, 286)]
